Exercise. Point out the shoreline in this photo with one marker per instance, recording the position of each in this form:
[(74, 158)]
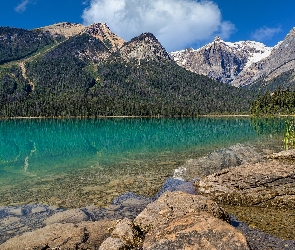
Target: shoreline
[(135, 117), (275, 214)]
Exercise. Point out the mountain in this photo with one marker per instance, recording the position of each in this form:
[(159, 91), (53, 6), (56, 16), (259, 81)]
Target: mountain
[(65, 29), (72, 70), (16, 44), (146, 46), (275, 70), (247, 64), (222, 61), (102, 32)]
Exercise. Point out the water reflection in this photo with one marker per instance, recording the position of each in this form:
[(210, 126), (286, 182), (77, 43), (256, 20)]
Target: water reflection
[(46, 142), (268, 126), (63, 157)]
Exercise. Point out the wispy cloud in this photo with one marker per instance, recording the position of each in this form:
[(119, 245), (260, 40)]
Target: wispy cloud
[(21, 7), (176, 23), (265, 33), (85, 2)]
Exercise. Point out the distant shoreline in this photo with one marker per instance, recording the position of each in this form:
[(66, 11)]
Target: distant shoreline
[(133, 116), (115, 116)]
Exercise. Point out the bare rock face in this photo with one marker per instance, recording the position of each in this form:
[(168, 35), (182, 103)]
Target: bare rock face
[(222, 61), (86, 235), (269, 184), (195, 231), (241, 63), (146, 46), (281, 60), (65, 29), (103, 33)]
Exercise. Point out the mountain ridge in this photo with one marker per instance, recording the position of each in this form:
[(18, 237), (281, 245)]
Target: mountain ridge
[(247, 64), (220, 60), (85, 72)]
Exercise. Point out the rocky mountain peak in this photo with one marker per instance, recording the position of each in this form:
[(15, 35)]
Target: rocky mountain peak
[(147, 37), (103, 33), (65, 29), (217, 39), (144, 46), (221, 60), (281, 60)]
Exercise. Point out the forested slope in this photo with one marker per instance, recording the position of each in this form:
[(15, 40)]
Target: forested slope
[(82, 77)]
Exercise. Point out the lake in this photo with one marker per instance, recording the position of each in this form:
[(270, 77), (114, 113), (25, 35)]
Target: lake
[(80, 162)]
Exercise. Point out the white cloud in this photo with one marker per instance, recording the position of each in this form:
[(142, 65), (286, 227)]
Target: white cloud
[(265, 33), (21, 7), (176, 23), (86, 2)]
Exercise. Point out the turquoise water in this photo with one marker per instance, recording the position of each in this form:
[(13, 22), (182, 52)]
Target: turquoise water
[(50, 160)]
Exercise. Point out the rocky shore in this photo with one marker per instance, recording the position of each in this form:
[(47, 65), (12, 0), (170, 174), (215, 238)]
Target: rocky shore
[(239, 184)]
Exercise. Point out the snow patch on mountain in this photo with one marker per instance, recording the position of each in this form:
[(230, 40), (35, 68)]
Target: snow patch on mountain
[(257, 51), (221, 60)]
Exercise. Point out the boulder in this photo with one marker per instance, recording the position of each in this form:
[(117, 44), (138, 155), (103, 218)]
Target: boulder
[(124, 236), (177, 220), (85, 235), (174, 184), (270, 183), (195, 231), (176, 204)]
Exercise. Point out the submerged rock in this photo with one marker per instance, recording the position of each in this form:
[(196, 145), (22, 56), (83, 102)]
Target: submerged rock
[(283, 155), (258, 240), (18, 220), (172, 185), (68, 216), (220, 159)]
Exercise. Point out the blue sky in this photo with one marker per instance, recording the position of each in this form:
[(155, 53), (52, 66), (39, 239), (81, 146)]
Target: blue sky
[(178, 24)]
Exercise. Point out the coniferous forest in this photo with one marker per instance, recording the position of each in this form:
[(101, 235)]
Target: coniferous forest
[(279, 102), (81, 77)]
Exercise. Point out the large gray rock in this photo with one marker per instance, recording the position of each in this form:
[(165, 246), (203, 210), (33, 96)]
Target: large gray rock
[(224, 158), (86, 235), (270, 183)]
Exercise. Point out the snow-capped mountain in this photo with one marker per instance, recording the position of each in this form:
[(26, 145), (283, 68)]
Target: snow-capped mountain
[(221, 60), (278, 69)]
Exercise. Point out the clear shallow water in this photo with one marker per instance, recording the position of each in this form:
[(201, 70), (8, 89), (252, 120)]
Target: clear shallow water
[(79, 162)]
